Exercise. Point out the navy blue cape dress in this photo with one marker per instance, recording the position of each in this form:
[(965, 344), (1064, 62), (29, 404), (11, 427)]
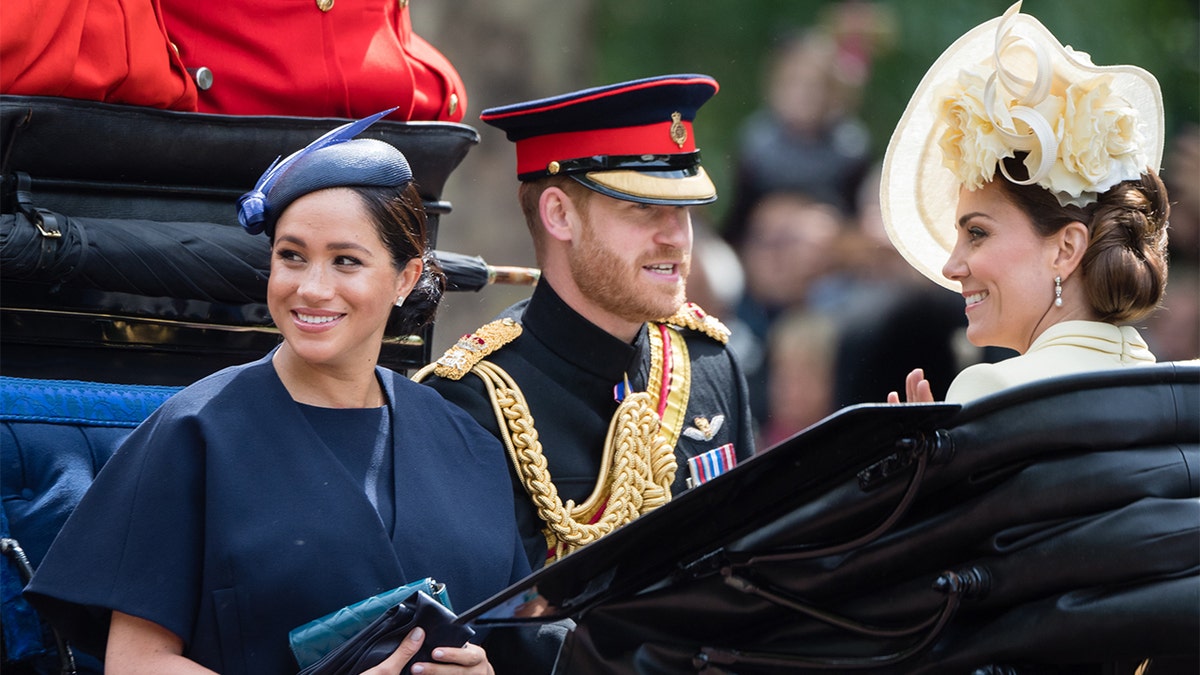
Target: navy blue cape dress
[(225, 519)]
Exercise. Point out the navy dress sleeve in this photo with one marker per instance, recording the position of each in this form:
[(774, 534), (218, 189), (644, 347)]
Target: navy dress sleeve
[(140, 520)]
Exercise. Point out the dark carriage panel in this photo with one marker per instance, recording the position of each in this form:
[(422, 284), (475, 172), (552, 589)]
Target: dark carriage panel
[(116, 161), (150, 280), (1053, 527)]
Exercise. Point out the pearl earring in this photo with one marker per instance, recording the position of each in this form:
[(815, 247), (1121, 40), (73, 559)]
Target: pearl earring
[(400, 301), (1058, 291)]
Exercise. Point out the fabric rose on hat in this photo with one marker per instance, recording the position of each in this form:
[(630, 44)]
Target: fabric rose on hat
[(1081, 137), (1099, 142), (970, 146)]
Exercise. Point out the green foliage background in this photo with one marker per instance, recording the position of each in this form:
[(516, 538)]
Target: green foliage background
[(732, 41)]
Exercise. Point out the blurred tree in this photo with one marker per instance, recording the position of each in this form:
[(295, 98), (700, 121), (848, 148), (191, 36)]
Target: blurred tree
[(521, 49), (505, 52), (732, 42)]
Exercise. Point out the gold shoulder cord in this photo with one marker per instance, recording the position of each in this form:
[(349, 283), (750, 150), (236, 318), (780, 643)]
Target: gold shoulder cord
[(638, 465)]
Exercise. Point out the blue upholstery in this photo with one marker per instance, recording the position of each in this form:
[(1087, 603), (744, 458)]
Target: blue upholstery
[(55, 435)]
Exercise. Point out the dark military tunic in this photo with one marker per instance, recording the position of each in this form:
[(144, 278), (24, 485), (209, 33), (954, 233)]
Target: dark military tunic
[(567, 368)]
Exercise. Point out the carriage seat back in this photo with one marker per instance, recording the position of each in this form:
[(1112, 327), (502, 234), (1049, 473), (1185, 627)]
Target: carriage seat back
[(55, 435)]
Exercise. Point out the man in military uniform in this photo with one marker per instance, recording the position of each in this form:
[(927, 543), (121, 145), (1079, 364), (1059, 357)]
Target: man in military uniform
[(609, 390)]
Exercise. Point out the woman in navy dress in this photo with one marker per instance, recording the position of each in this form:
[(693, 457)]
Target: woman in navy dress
[(270, 494)]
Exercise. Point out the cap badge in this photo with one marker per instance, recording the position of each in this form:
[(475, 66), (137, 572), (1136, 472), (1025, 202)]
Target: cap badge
[(678, 131)]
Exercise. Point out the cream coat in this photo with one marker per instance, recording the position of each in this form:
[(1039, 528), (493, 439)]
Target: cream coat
[(1064, 348)]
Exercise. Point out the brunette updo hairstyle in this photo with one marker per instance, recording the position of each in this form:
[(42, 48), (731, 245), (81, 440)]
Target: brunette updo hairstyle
[(1124, 270), (399, 217)]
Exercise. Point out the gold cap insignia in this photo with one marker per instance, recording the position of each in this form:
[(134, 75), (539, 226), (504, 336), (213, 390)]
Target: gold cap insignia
[(678, 131)]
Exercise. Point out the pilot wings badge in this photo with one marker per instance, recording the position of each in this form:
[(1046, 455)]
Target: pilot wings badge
[(705, 429)]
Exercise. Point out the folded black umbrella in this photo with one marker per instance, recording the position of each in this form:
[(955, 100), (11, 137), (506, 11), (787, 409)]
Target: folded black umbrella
[(187, 261), (190, 261), (472, 273)]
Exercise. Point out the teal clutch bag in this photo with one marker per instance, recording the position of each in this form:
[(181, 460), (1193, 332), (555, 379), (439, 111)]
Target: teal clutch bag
[(318, 637)]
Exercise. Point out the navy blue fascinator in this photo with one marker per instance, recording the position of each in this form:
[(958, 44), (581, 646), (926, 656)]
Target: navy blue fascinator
[(336, 159)]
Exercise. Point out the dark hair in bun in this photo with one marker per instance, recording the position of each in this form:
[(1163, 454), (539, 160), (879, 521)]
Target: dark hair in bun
[(399, 217), (1125, 266)]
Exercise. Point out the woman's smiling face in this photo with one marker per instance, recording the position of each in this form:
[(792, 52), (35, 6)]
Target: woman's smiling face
[(332, 283), (1005, 267)]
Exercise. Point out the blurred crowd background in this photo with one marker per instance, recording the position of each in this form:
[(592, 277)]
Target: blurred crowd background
[(793, 256)]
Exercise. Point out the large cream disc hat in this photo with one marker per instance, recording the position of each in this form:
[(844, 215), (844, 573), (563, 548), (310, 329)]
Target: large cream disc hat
[(1085, 127)]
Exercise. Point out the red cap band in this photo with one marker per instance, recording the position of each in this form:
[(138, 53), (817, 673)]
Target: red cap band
[(534, 154)]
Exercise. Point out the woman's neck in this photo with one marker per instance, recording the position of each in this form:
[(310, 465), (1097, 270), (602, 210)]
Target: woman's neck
[(327, 386), (1075, 311)]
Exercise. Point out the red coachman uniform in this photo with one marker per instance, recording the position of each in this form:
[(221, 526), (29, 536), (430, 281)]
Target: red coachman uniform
[(314, 58)]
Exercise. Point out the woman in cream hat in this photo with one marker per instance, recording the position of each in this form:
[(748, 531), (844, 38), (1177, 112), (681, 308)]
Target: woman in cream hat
[(1024, 177)]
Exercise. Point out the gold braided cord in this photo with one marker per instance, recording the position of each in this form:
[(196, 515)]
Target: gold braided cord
[(670, 424), (638, 466)]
